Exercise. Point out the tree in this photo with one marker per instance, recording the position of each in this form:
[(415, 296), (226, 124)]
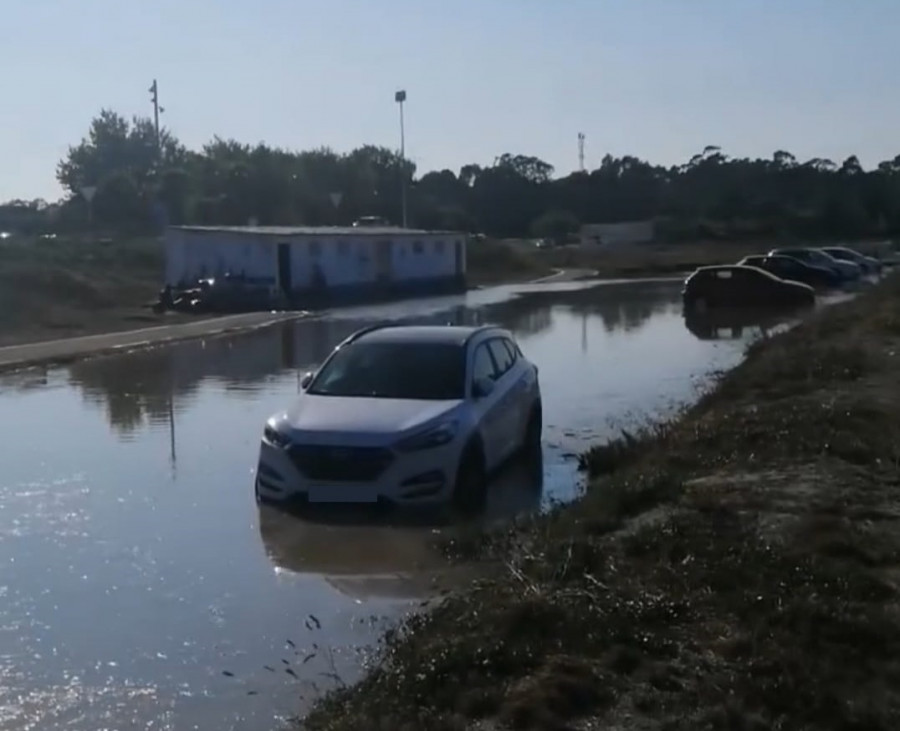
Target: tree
[(556, 225), (230, 182), (114, 145)]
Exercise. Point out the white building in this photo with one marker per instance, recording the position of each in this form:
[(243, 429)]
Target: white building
[(346, 259), (617, 234)]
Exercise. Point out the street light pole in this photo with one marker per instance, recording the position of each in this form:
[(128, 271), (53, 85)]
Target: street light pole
[(400, 98)]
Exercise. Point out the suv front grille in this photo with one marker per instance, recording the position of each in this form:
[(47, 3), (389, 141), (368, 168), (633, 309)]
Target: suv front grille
[(340, 464)]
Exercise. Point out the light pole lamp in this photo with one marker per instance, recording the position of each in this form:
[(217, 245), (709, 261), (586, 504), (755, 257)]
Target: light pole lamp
[(400, 98)]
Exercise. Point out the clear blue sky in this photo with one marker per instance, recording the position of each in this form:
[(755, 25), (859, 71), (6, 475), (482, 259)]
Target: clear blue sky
[(659, 79)]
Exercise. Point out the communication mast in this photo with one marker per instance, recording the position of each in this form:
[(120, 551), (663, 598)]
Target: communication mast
[(581, 152)]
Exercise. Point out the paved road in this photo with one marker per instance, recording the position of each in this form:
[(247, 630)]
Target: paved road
[(16, 356), (566, 275)]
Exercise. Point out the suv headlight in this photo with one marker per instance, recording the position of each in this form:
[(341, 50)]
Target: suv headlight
[(436, 436), (275, 437)]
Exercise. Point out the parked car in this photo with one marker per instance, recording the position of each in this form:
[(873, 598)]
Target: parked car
[(404, 414), (868, 264), (848, 270), (742, 286), (786, 267)]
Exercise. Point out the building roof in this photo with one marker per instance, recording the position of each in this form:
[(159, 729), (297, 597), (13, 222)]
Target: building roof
[(314, 230)]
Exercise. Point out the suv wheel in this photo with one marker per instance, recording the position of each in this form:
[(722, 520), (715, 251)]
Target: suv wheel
[(531, 445), (470, 490)]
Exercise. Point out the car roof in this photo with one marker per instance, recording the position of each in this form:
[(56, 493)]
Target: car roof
[(739, 267), (438, 334)]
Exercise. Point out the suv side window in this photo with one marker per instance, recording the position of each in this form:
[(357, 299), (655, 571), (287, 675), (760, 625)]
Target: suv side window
[(483, 364), (502, 357)]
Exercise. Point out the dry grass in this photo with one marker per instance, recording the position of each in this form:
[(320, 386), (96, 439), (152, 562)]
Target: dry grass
[(61, 288), (737, 569)]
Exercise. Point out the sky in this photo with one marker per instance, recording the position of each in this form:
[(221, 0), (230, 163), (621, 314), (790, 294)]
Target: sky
[(659, 79)]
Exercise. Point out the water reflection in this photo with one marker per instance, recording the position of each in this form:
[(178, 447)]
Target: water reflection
[(622, 306), (739, 324), (370, 552), (155, 386)]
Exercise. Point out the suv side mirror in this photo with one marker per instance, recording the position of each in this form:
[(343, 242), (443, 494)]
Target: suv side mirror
[(482, 387), (306, 380)]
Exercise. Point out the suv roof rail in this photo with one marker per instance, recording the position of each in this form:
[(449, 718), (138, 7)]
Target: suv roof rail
[(363, 331), (478, 331)]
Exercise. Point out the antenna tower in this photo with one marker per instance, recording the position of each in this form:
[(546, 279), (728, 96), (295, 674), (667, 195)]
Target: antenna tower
[(581, 151)]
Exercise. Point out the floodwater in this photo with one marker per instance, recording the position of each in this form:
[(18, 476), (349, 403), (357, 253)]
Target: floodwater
[(142, 588)]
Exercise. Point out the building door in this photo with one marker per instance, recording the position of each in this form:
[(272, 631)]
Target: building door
[(284, 268), (383, 260), (458, 257)]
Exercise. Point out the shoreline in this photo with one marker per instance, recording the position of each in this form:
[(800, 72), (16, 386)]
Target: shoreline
[(735, 567), (67, 350), (62, 351)]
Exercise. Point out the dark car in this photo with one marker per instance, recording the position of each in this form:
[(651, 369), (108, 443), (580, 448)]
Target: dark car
[(847, 269), (869, 264), (742, 286), (786, 267)]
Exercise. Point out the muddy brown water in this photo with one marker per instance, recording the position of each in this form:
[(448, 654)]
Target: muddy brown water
[(142, 588)]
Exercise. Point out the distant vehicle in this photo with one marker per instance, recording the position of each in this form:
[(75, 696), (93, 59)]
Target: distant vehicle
[(868, 264), (404, 414), (848, 270), (786, 267), (370, 222), (229, 293), (742, 286)]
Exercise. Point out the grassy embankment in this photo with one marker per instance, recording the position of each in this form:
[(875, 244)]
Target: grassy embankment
[(738, 568), (61, 288)]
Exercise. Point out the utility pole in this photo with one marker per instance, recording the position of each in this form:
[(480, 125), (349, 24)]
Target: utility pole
[(154, 96), (581, 152), (400, 98)]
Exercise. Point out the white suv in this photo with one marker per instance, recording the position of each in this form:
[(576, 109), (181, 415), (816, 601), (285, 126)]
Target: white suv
[(404, 414)]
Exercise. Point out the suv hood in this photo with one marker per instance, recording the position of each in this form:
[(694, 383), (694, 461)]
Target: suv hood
[(366, 420)]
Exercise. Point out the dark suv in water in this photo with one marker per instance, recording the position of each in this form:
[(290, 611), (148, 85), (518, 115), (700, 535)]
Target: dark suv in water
[(742, 286), (787, 267)]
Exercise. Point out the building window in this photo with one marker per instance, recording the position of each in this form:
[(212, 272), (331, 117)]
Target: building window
[(439, 246), (315, 249), (417, 247), (343, 247)]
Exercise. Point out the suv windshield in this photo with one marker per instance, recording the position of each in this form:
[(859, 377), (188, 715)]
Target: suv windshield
[(425, 371)]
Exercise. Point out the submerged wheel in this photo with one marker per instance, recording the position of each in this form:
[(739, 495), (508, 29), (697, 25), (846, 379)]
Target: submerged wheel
[(531, 445), (470, 489)]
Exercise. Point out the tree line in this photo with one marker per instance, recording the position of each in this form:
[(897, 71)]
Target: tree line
[(142, 181)]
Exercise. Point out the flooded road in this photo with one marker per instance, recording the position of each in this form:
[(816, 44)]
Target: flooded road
[(143, 588)]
